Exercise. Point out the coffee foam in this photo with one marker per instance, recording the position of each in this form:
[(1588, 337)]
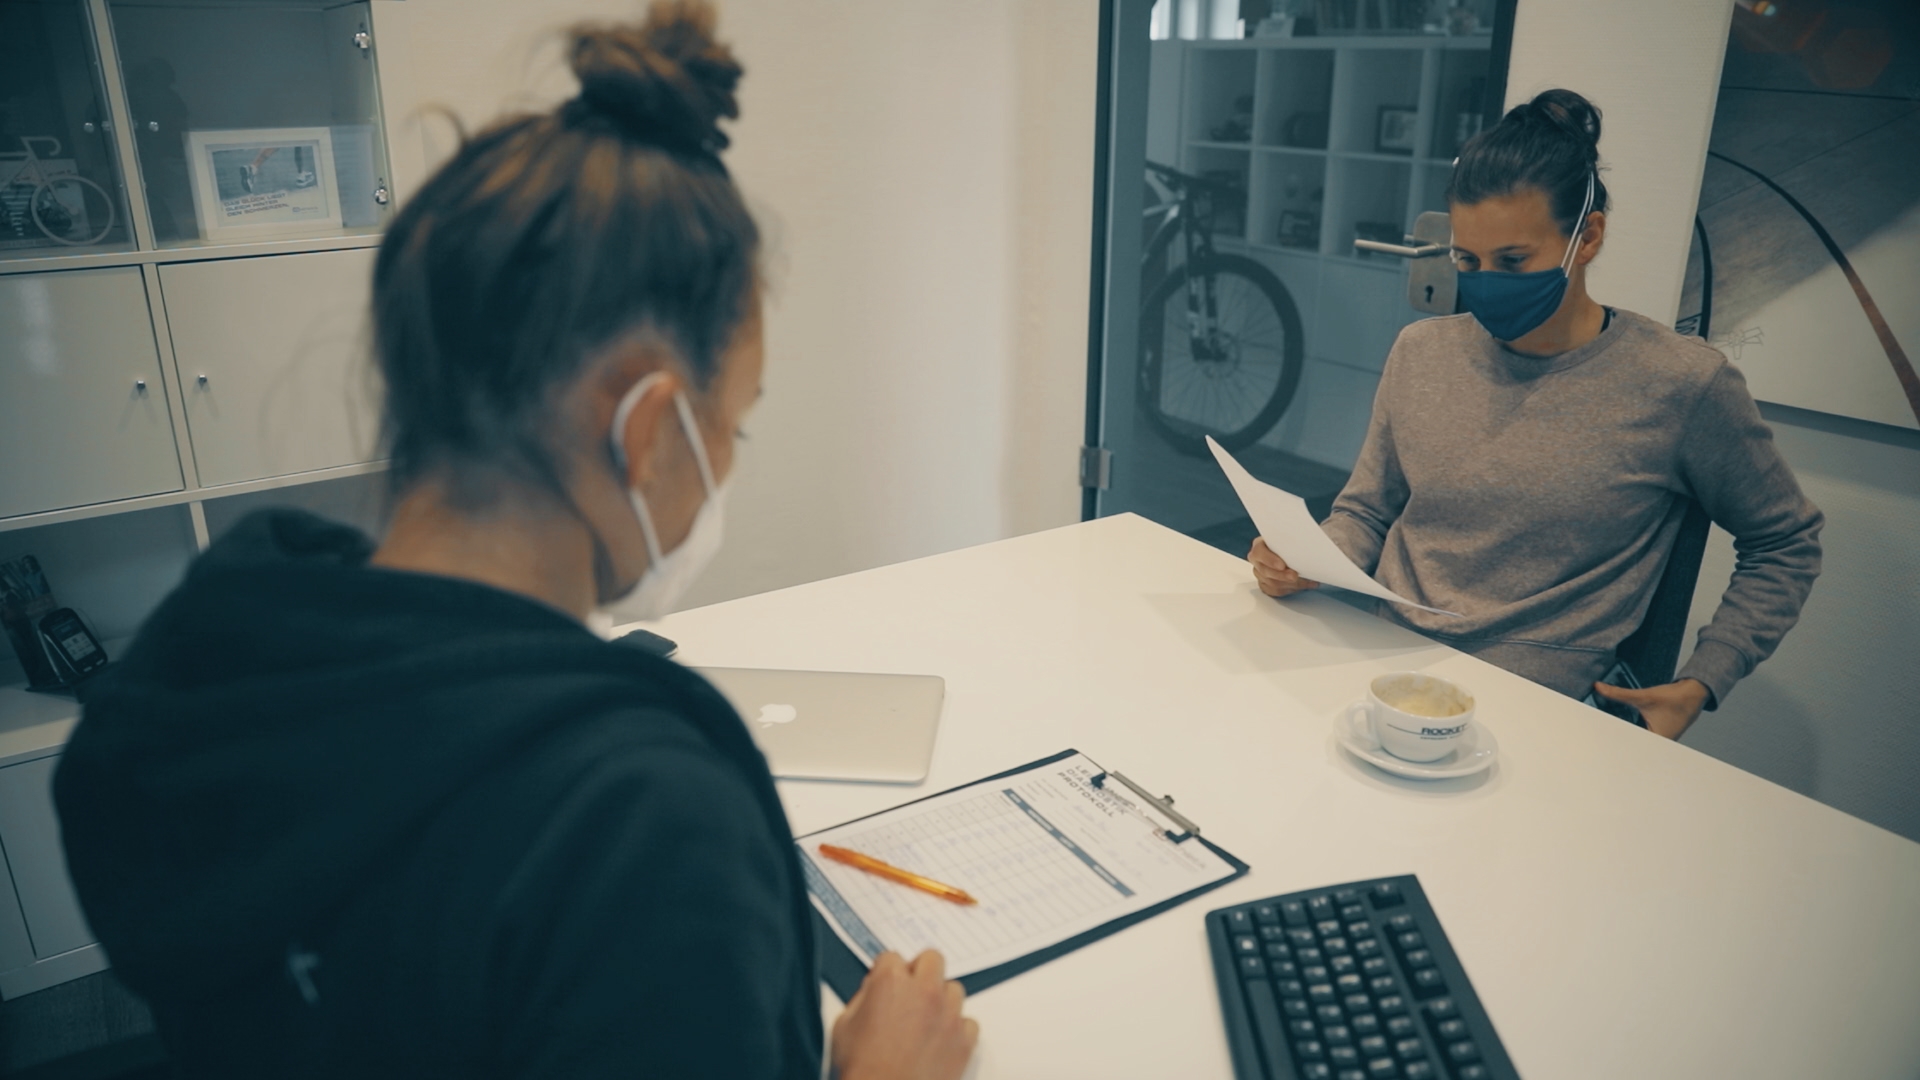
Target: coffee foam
[(1423, 697)]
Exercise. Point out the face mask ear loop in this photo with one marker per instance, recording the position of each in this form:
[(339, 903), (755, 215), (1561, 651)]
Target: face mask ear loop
[(1566, 263), (621, 413), (692, 428)]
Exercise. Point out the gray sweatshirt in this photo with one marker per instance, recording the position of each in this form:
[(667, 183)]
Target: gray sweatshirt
[(1539, 498)]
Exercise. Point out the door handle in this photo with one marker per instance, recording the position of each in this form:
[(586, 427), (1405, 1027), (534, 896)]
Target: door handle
[(1424, 251)]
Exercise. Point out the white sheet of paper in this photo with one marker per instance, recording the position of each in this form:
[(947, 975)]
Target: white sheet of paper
[(1046, 854), (1291, 532)]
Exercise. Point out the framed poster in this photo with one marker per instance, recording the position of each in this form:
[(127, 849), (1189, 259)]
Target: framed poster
[(257, 183), (1396, 132)]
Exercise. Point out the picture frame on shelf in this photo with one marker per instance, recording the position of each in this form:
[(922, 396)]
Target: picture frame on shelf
[(257, 183), (1397, 129), (1299, 229)]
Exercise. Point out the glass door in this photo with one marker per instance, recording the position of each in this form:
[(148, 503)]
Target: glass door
[(1247, 145)]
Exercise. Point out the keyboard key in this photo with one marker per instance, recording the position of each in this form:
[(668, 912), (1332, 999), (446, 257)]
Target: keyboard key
[(1348, 984), (1295, 1007), (1352, 1074), (1409, 941), (1419, 1070), (1357, 1004), (1373, 1045), (1310, 1050), (1472, 1072), (1246, 945), (1273, 933), (1302, 1029), (1309, 956), (1277, 950), (1343, 1057), (1290, 988), (1283, 969), (1386, 894), (1419, 958), (1329, 1014), (1374, 965), (1353, 911), (1381, 1069), (1320, 907), (1316, 1070), (1358, 930), (1252, 967), (1320, 993), (1239, 922), (1463, 1052), (1400, 924), (1367, 947), (1293, 912), (1266, 914), (1441, 1009), (1382, 984), (1302, 937), (1334, 945), (1427, 982), (1409, 1049), (1343, 965), (1327, 928), (1392, 1004), (1401, 1026), (1346, 896), (1336, 1034), (1366, 1024), (1451, 1030)]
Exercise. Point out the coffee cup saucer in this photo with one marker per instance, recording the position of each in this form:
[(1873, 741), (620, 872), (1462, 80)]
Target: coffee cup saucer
[(1476, 756)]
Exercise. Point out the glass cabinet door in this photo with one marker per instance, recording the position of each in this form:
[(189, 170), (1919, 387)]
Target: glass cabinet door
[(60, 186), (254, 121)]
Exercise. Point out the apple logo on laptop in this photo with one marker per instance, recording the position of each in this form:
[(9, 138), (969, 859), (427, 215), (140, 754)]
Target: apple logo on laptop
[(777, 714)]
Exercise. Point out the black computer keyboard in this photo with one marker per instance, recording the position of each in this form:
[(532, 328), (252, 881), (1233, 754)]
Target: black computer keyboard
[(1353, 982)]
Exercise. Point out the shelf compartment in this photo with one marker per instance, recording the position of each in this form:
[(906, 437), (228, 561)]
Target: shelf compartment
[(1289, 199), (1296, 98), (1377, 96), (1366, 199), (1220, 100)]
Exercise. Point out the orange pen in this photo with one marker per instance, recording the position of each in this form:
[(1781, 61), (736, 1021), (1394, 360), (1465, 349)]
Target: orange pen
[(893, 873)]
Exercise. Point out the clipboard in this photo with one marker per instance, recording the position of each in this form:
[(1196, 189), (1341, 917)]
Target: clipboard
[(843, 969)]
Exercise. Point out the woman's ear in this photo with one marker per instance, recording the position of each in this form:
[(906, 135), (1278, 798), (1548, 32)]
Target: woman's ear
[(637, 421), (1591, 238)]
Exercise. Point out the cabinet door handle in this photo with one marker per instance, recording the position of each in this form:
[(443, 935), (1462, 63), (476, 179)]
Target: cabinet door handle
[(139, 386), (203, 381)]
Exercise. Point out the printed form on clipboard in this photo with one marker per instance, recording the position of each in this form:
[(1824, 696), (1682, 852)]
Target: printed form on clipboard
[(1057, 854)]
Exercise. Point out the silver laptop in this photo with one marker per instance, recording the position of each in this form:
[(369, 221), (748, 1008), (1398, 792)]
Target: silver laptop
[(838, 725)]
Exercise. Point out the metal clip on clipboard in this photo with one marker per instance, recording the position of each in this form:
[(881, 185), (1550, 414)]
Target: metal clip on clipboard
[(1162, 804)]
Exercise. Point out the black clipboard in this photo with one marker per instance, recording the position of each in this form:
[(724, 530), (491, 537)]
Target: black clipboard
[(843, 970)]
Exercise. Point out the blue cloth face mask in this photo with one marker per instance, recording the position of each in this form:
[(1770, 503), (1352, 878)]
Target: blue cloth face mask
[(1511, 306)]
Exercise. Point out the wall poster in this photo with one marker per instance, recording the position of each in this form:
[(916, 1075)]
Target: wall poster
[(1805, 267)]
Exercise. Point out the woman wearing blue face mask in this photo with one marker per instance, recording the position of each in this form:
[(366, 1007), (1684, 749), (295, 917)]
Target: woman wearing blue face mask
[(1526, 462), (348, 809)]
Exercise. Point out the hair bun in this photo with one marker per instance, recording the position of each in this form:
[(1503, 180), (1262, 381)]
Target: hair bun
[(666, 82), (1572, 114)]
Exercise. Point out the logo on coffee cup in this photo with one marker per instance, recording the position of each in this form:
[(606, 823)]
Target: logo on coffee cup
[(1442, 732)]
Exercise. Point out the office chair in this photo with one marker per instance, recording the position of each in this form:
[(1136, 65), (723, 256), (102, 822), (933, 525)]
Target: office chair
[(1653, 651)]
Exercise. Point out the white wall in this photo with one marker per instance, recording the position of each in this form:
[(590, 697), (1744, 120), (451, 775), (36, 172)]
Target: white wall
[(1653, 68), (924, 172)]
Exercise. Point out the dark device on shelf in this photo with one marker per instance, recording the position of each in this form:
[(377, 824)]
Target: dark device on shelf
[(70, 647), (1351, 982)]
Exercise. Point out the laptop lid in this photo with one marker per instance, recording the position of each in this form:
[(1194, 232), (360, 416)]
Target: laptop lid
[(837, 725)]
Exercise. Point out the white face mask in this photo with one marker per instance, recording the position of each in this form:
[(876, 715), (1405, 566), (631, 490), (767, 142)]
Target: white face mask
[(668, 573)]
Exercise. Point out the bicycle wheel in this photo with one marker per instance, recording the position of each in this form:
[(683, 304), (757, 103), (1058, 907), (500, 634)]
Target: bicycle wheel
[(65, 208), (1235, 378)]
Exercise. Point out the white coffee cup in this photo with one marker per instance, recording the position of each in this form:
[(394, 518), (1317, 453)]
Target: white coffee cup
[(1414, 717)]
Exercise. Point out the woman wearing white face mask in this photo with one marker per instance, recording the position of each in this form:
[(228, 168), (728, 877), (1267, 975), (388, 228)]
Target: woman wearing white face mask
[(347, 810), (1526, 461)]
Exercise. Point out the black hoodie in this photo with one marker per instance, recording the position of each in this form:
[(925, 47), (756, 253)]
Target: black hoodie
[(334, 820)]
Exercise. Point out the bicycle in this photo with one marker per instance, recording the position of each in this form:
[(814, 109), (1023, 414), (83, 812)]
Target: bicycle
[(57, 204), (1221, 345)]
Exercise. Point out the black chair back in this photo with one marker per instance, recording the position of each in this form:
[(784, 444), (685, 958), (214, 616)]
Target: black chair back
[(1653, 651)]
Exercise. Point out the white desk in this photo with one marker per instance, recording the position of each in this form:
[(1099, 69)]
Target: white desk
[(1626, 907)]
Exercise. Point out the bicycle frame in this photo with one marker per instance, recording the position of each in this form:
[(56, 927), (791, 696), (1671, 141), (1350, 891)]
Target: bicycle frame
[(1191, 214)]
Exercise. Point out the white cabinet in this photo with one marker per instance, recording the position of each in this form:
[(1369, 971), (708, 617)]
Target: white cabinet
[(44, 938), (83, 409), (272, 359)]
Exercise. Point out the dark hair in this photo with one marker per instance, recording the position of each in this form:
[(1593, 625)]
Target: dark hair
[(1551, 143), (549, 237)]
